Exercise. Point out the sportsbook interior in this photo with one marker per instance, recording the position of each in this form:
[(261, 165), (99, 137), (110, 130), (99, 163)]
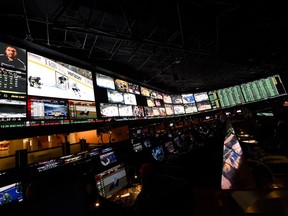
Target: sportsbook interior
[(79, 140)]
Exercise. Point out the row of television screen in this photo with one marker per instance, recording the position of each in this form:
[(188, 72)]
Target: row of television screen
[(112, 171), (33, 87)]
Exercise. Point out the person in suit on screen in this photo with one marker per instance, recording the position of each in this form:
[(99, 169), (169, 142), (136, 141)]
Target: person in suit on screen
[(10, 59)]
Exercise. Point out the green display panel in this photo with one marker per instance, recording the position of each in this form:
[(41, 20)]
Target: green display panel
[(230, 96), (263, 89)]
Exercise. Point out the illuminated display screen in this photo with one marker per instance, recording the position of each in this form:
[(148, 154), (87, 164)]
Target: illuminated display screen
[(12, 107), (137, 147), (12, 81), (105, 81), (203, 105), (8, 52), (231, 96), (50, 78), (179, 109), (150, 102), (46, 108), (148, 111), (108, 158), (115, 96), (162, 111), (202, 101), (121, 85), (159, 95), (167, 98), (263, 89), (130, 99), (156, 111), (109, 110), (169, 109), (145, 91), (190, 108), (125, 110), (158, 103), (13, 86), (202, 96), (138, 111), (111, 181), (11, 193), (158, 153), (82, 109), (153, 94), (232, 158), (176, 99), (188, 98), (133, 88), (214, 99)]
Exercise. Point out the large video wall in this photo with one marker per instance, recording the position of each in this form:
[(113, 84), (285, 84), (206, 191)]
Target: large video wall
[(38, 91)]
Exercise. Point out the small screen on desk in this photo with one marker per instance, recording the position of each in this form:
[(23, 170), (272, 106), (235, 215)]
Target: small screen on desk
[(11, 193), (108, 158), (111, 181)]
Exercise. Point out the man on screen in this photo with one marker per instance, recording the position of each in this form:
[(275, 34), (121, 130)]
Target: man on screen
[(10, 60)]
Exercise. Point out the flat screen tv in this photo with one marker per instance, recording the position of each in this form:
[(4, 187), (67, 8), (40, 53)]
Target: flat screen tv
[(158, 153), (190, 108), (11, 193), (162, 111), (115, 96), (150, 102), (214, 99), (12, 107), (130, 99), (138, 111), (108, 158), (147, 143), (13, 82), (202, 101), (179, 109), (47, 108), (125, 110), (201, 96), (176, 99), (158, 103), (105, 81), (188, 98), (156, 111), (121, 85), (159, 95), (111, 181), (153, 94), (169, 109), (148, 111), (50, 78), (109, 110), (145, 91), (82, 109), (133, 88), (167, 99), (262, 89), (203, 105), (232, 159), (137, 147), (9, 51)]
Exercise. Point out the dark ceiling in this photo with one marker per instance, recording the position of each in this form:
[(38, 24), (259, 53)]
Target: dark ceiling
[(177, 46)]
